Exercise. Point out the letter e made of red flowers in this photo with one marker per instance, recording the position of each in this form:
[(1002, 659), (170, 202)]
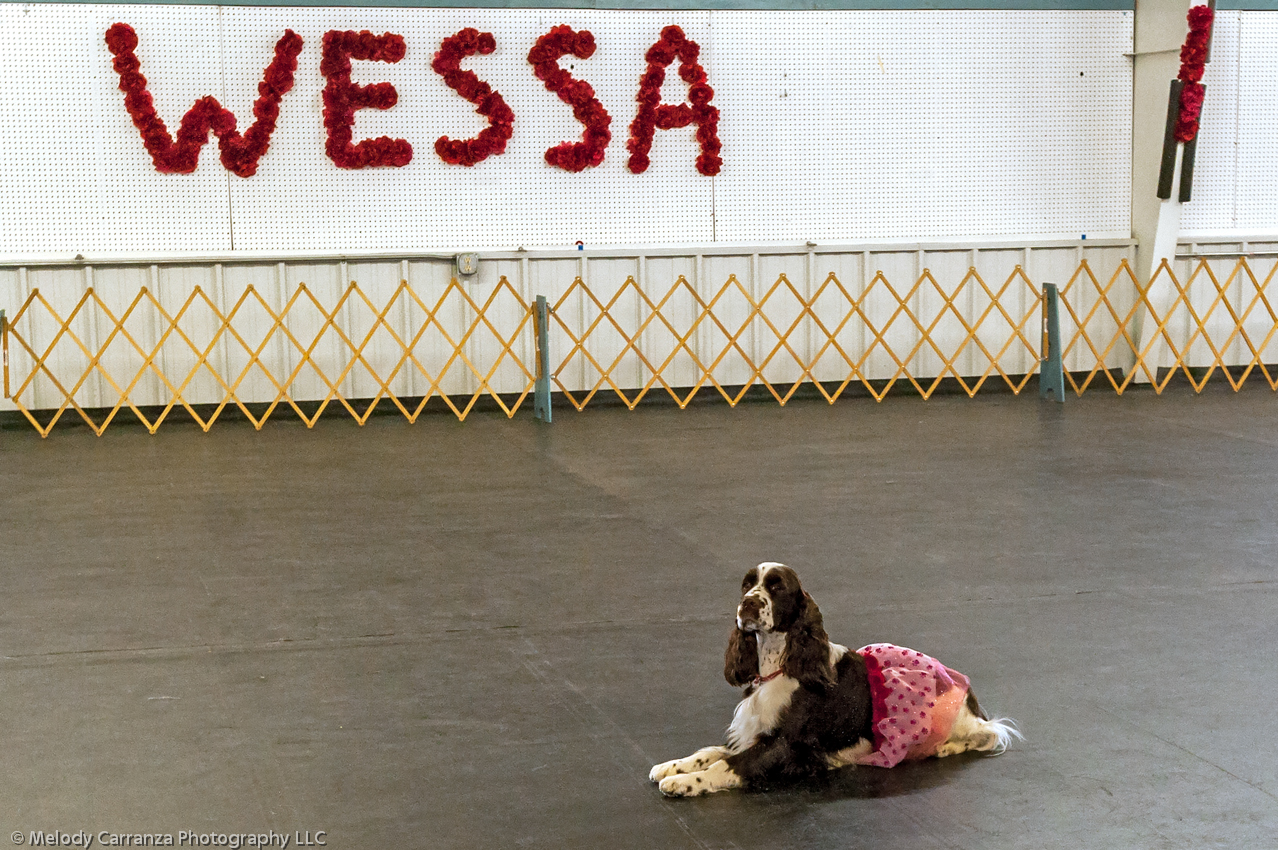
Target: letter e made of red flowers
[(343, 97)]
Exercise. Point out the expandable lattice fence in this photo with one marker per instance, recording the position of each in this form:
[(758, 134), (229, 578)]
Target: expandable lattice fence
[(1149, 333), (155, 353), (256, 358), (732, 340)]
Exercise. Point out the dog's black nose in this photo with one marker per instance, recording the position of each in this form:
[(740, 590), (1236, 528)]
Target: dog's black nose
[(750, 608)]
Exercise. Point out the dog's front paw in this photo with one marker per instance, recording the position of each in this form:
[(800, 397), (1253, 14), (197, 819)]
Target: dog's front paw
[(684, 785), (700, 760), (717, 777), (661, 771)]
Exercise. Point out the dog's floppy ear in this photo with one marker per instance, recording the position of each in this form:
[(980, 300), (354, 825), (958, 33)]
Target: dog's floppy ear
[(741, 661), (807, 648)]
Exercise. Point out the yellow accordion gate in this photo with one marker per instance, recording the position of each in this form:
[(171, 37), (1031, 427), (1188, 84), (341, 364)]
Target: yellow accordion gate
[(470, 344), (1149, 333), (233, 358)]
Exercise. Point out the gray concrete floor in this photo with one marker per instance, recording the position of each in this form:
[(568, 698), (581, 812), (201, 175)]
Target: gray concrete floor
[(482, 634)]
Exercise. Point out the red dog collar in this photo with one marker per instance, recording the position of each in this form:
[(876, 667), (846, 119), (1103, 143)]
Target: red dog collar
[(759, 680)]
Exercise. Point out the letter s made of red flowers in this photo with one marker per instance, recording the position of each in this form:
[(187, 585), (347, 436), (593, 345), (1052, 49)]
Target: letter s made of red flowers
[(447, 63), (586, 108)]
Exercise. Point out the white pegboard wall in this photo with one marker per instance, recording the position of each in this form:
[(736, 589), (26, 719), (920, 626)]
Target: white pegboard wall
[(76, 176), (924, 122), (42, 140), (1214, 202), (836, 126), (1236, 166), (1257, 120)]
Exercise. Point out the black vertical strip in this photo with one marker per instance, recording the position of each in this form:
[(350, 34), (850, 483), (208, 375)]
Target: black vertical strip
[(1187, 169), (1168, 170)]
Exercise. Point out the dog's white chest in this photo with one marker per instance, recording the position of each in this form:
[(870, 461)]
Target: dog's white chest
[(760, 712)]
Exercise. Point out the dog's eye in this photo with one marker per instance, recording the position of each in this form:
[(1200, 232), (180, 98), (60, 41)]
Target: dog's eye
[(772, 582)]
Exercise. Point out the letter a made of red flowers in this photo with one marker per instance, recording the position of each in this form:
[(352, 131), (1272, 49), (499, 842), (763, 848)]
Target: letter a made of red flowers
[(654, 115), (447, 63), (240, 154), (586, 108)]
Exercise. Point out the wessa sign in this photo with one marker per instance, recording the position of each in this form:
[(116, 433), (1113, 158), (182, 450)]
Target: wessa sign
[(240, 153)]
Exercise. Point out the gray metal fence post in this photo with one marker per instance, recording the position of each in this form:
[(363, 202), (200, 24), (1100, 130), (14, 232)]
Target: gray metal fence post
[(1051, 373), (4, 344), (541, 390)]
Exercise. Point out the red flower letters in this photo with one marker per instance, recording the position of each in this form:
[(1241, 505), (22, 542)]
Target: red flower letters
[(240, 154), (447, 63), (586, 108), (654, 115)]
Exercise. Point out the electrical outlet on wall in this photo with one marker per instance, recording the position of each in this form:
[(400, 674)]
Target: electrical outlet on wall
[(466, 264)]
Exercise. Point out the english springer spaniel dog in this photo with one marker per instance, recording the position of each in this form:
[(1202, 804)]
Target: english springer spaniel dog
[(811, 705)]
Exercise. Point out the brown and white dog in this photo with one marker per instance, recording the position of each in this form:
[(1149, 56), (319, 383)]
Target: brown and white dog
[(811, 705)]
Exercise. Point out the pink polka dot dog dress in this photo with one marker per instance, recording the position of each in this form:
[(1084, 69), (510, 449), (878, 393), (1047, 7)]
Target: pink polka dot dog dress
[(916, 699)]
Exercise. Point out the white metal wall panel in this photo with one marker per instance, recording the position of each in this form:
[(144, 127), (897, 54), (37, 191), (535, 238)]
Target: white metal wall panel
[(530, 274), (893, 124), (1222, 258), (836, 126)]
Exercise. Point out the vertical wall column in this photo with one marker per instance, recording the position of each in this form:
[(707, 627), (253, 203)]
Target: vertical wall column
[(1159, 33), (1160, 30)]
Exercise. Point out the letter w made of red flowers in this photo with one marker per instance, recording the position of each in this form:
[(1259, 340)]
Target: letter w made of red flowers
[(240, 153)]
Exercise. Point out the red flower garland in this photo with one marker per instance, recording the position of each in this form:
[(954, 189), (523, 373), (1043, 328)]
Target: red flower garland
[(653, 114), (239, 154), (586, 108), (1191, 105), (1193, 56), (447, 63), (342, 97)]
